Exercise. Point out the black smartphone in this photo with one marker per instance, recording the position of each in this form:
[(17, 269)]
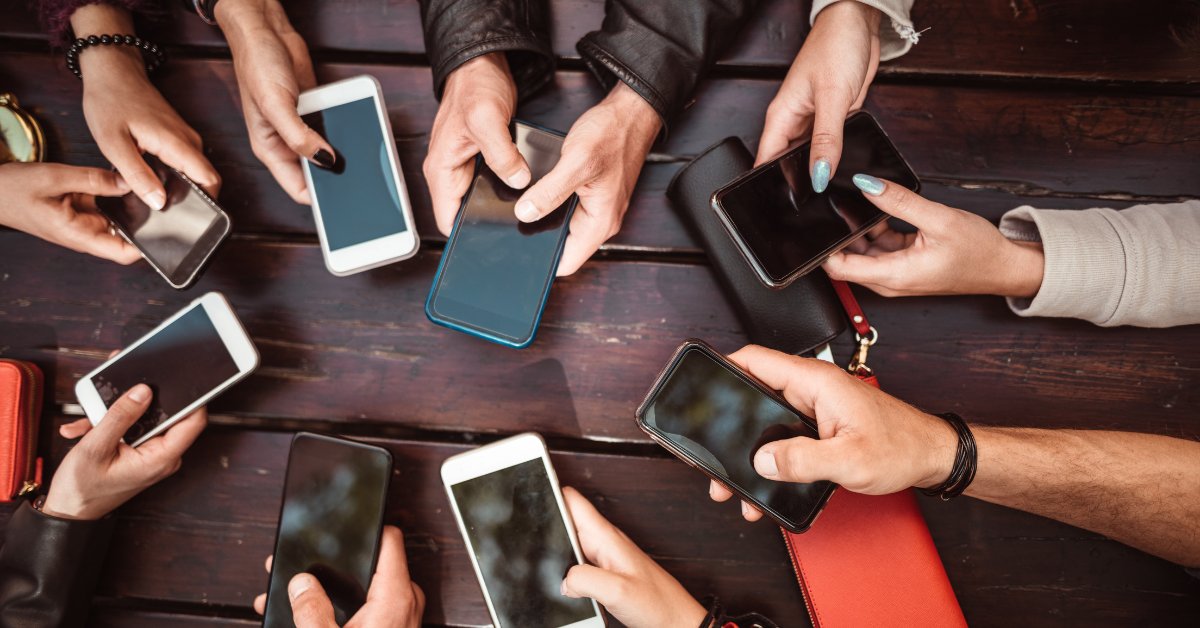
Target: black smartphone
[(783, 228), (334, 494), (714, 416), (496, 271), (178, 239)]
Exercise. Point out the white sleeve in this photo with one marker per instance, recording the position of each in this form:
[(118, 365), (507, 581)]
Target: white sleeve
[(896, 36)]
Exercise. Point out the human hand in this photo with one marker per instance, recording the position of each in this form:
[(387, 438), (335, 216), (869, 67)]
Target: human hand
[(101, 472), (634, 588), (56, 203), (828, 79), (393, 599), (272, 66), (870, 443), (477, 106), (953, 251), (601, 159)]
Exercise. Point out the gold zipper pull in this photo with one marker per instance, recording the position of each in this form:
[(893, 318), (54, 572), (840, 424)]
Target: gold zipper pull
[(27, 488)]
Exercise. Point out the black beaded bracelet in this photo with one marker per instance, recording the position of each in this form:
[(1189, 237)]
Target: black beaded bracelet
[(966, 460), (150, 51)]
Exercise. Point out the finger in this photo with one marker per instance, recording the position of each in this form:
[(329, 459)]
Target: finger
[(863, 269), (899, 201), (799, 459), (447, 185), (601, 585), (121, 415), (391, 572), (93, 181), (718, 492), (311, 607), (125, 156), (191, 161), (599, 538), (779, 129), (552, 190), (750, 512), (75, 429), (268, 562), (279, 109), (800, 380), (588, 232), (501, 154), (89, 233), (287, 173), (171, 444), (260, 603), (826, 147)]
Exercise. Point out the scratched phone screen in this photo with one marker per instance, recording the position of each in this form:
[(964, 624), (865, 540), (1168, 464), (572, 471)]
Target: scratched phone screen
[(181, 363), (520, 541)]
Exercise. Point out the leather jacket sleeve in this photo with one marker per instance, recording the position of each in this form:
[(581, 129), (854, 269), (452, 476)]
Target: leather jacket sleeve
[(457, 31), (49, 568), (662, 48)]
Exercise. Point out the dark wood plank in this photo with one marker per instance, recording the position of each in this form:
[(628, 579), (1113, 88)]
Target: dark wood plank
[(1070, 39), (123, 617), (359, 350)]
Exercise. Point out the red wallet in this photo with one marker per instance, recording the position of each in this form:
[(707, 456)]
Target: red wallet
[(869, 560), (20, 409)]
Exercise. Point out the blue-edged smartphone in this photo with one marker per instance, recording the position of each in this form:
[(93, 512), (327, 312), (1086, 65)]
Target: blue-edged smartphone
[(496, 271)]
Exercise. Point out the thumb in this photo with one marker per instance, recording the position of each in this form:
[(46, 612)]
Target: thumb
[(93, 181), (601, 585), (903, 203), (799, 459), (311, 607), (121, 415), (553, 189)]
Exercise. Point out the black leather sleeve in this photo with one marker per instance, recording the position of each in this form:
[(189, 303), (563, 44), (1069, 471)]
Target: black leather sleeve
[(49, 568), (662, 48), (457, 31)]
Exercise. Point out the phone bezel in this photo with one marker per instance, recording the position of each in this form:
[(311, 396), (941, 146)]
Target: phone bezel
[(495, 457), (387, 482), (383, 250), (718, 206), (237, 342), (477, 330), (694, 344)]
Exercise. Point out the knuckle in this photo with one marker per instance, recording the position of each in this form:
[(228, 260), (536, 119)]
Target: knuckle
[(825, 139)]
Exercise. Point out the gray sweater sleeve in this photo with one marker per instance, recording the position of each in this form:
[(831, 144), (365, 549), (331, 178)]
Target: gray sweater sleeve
[(1138, 266), (896, 32)]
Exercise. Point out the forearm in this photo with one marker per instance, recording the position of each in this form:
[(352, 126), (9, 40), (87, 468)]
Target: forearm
[(1140, 489), (896, 34), (57, 15)]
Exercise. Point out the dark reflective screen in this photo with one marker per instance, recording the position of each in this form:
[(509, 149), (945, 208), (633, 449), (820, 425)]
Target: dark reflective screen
[(176, 239), (721, 421), (358, 199), (497, 270), (520, 541), (333, 501), (787, 226), (181, 363)]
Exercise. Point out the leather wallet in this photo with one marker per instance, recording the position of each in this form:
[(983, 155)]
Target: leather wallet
[(20, 410), (796, 319)]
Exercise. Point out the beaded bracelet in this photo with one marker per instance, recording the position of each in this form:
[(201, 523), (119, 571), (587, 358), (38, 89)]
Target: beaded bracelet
[(156, 55), (966, 460)]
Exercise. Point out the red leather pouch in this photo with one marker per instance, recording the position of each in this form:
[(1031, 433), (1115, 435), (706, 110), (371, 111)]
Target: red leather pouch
[(20, 411), (869, 559)]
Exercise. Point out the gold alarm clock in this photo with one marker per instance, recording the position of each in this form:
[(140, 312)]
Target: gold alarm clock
[(21, 137)]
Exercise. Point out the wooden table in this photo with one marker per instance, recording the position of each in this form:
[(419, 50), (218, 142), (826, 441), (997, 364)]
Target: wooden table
[(1001, 104)]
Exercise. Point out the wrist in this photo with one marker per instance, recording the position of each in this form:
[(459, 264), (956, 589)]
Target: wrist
[(59, 508), (1026, 262), (643, 120), (851, 11), (941, 447), (106, 65)]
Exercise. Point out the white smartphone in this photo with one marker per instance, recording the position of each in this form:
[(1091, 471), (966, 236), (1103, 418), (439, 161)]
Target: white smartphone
[(187, 360), (521, 540), (364, 218)]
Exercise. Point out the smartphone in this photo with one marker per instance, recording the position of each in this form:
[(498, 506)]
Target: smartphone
[(496, 271), (187, 361), (363, 215), (178, 239), (783, 228), (334, 494), (520, 538), (714, 416)]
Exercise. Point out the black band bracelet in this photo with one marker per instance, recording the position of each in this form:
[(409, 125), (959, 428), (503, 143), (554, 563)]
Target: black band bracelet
[(153, 55), (966, 459)]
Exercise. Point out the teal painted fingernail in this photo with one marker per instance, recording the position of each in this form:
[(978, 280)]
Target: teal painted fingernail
[(868, 184), (820, 176)]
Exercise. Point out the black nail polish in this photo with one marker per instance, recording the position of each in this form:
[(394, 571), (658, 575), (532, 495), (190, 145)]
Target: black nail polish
[(324, 159)]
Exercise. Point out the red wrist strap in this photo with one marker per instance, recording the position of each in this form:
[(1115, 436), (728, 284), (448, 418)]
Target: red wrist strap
[(858, 318)]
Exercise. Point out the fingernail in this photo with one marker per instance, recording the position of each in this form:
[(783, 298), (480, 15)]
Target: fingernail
[(519, 180), (156, 200), (820, 175), (745, 508), (299, 584), (527, 211), (562, 588), (139, 393), (868, 184), (764, 463), (324, 159), (710, 491)]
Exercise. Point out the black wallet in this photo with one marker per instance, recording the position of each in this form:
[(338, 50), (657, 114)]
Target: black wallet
[(796, 319)]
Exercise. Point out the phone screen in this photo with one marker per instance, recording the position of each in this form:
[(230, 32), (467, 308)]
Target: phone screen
[(359, 200), (720, 420), (181, 363), (333, 505), (179, 238), (520, 542), (786, 226), (496, 271)]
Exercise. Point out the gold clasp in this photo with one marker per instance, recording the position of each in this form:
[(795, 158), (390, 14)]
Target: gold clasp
[(858, 364)]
